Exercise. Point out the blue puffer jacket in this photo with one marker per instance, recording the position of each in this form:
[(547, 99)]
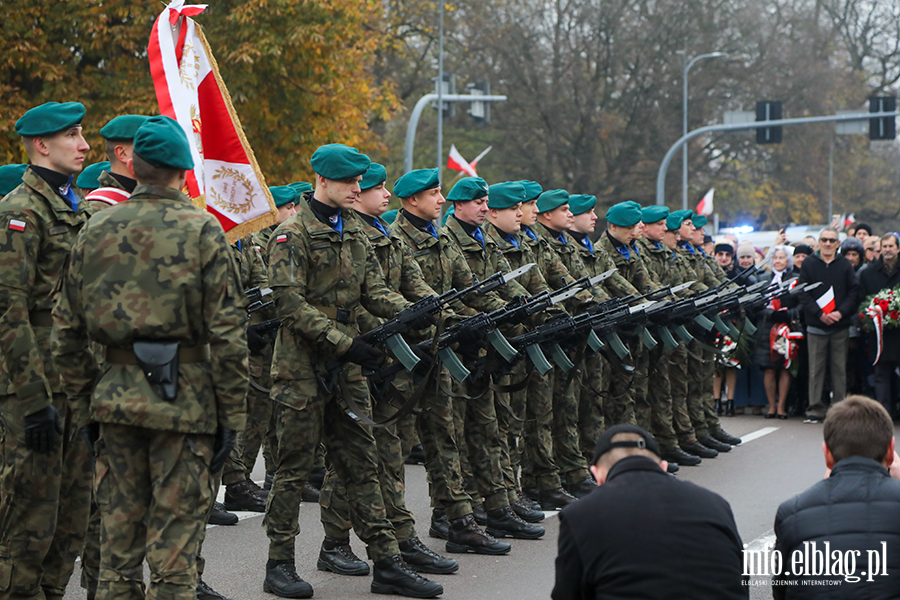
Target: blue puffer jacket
[(856, 509)]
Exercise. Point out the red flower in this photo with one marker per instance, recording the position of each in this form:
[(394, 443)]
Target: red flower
[(895, 315), (883, 304), (862, 315)]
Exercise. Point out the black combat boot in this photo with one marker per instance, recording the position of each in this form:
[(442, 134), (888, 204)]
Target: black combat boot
[(204, 592), (680, 457), (480, 515), (423, 559), (465, 535), (391, 576), (503, 522), (725, 437), (282, 580), (711, 442), (526, 513), (219, 516), (529, 501), (582, 488), (337, 557), (698, 449), (242, 496), (439, 524), (416, 456), (556, 499)]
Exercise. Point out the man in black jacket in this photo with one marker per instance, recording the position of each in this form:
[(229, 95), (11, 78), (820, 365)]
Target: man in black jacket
[(620, 541), (839, 538), (883, 273), (828, 310)]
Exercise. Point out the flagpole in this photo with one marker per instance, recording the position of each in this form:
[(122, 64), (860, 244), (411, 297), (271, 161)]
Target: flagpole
[(440, 90)]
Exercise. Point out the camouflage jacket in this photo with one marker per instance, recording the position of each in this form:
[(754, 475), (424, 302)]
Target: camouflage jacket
[(572, 259), (443, 265), (533, 281), (485, 261), (154, 268), (660, 263), (599, 261), (552, 268), (699, 268), (717, 272), (105, 179), (313, 269), (631, 267), (37, 231)]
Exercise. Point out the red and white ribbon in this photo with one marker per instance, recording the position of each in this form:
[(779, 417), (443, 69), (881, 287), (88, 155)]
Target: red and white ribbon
[(781, 331), (875, 313)]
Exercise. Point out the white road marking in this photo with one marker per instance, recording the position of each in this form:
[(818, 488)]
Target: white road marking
[(757, 434)]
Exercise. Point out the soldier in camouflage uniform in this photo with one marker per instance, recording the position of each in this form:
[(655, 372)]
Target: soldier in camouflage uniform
[(323, 272), (444, 268), (45, 499), (477, 415), (10, 178), (156, 457), (116, 183), (402, 274)]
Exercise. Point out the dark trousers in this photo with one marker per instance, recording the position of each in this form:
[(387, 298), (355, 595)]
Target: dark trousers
[(884, 373)]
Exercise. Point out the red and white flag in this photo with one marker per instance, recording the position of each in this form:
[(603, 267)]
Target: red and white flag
[(226, 179), (110, 195), (456, 162), (705, 206), (826, 301)]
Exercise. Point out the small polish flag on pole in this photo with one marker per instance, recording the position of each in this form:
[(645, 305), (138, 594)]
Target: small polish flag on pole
[(456, 162), (826, 301), (705, 206)]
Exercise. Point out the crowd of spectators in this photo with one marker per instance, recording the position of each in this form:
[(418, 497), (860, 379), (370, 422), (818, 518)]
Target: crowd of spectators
[(809, 354)]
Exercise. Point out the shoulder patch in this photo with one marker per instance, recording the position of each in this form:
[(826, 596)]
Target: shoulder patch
[(17, 225), (281, 238)]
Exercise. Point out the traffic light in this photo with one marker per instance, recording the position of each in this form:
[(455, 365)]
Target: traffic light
[(883, 128), (769, 110), (480, 111)]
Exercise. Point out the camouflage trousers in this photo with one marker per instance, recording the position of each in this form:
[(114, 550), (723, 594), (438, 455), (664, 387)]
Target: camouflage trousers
[(659, 396), (697, 392), (538, 465), (619, 407), (334, 506), (566, 439), (351, 451), (406, 431), (679, 388), (44, 506), (510, 409), (154, 490), (243, 458), (478, 435), (593, 389), (709, 400)]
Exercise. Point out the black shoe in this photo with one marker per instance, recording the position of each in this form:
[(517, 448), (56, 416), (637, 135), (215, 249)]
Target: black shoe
[(729, 408), (503, 522), (526, 514), (240, 496), (220, 516), (270, 477), (282, 580), (416, 456), (464, 535), (698, 449), (555, 499), (582, 488), (719, 407), (439, 524), (479, 514), (527, 500), (393, 577), (204, 592), (713, 443), (309, 493), (423, 559), (317, 478), (725, 437), (680, 457), (671, 468), (531, 493), (337, 557)]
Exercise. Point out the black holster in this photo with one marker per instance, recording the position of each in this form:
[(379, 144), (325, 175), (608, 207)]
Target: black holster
[(159, 362)]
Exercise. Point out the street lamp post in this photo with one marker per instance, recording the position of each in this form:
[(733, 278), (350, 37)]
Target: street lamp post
[(684, 121)]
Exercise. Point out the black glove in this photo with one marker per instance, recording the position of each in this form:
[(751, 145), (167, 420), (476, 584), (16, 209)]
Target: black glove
[(425, 359), (469, 335), (39, 428), (255, 342), (423, 321), (364, 354), (91, 433), (225, 441)]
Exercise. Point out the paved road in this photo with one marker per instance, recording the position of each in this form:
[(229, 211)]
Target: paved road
[(784, 459)]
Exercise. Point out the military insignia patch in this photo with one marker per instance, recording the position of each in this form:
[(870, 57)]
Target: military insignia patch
[(281, 238), (334, 218), (17, 225)]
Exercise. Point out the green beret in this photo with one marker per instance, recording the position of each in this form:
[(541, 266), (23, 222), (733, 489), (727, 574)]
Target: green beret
[(699, 221), (506, 195), (10, 177), (532, 189), (122, 127), (300, 187), (676, 218), (161, 142), (552, 199), (51, 117), (470, 188), (654, 214), (390, 216), (337, 161), (283, 194), (581, 203), (88, 180), (447, 214), (416, 181), (624, 214), (376, 175)]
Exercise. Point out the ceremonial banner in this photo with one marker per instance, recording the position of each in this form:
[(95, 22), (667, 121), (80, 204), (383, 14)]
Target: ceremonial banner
[(226, 179)]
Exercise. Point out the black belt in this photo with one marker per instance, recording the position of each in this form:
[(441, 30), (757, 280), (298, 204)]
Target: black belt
[(126, 356)]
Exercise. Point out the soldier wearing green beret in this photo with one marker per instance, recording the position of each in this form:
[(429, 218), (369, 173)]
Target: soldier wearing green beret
[(534, 406), (115, 183), (479, 418), (170, 397), (87, 181), (10, 178), (46, 462), (402, 274), (324, 272), (444, 268)]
